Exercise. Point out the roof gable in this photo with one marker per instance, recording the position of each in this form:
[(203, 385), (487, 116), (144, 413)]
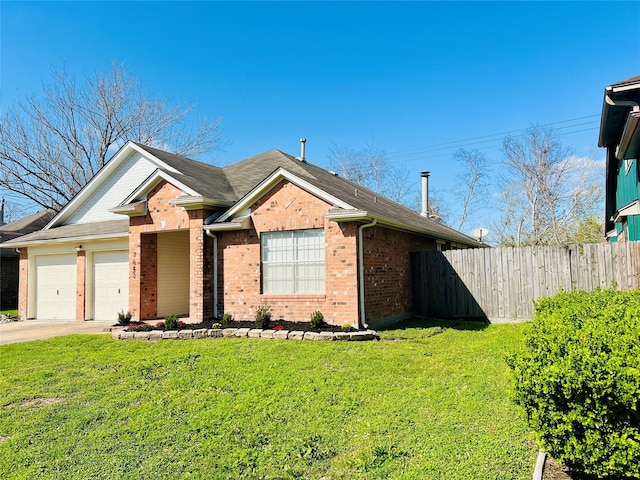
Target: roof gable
[(115, 180), (128, 171), (270, 182)]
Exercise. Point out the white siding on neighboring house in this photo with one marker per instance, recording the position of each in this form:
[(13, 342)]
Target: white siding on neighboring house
[(56, 287), (113, 191), (173, 273)]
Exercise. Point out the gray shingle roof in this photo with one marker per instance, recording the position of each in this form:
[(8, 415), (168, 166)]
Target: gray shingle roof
[(82, 231), (27, 224), (201, 177), (248, 173), (234, 181), (231, 183)]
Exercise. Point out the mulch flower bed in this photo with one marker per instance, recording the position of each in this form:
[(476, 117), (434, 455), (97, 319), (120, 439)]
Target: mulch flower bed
[(275, 325)]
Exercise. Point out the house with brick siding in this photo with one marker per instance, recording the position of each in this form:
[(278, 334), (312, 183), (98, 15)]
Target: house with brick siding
[(9, 258), (156, 234)]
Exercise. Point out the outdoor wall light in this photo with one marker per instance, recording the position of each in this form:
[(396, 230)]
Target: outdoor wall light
[(78, 248)]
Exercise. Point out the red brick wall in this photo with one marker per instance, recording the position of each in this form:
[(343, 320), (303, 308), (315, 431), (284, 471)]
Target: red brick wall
[(143, 254), (387, 271), (287, 207)]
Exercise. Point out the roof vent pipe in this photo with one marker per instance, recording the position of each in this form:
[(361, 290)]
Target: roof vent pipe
[(425, 194), (302, 143)]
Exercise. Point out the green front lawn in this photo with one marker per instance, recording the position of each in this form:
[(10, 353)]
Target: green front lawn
[(422, 403)]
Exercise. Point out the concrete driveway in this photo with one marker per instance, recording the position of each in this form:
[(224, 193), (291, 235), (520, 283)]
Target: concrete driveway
[(29, 330)]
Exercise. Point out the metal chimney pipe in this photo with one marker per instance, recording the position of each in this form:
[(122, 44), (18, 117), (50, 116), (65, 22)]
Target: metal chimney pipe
[(425, 194), (2, 212), (302, 143)]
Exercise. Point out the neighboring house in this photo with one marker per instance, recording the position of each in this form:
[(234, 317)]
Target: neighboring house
[(9, 257), (159, 234), (620, 134)]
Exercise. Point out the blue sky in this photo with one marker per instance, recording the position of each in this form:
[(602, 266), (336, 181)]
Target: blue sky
[(407, 76)]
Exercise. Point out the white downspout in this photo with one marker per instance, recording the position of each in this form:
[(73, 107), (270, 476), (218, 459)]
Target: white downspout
[(215, 273), (362, 319)]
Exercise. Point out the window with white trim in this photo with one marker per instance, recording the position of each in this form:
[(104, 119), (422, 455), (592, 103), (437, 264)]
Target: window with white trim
[(293, 262)]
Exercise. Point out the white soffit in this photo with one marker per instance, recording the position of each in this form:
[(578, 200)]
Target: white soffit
[(632, 208), (630, 142)]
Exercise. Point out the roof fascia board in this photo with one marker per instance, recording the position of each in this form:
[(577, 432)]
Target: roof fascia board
[(75, 238), (271, 181), (135, 209), (630, 135), (365, 216), (624, 87), (198, 202), (604, 116), (240, 223), (632, 208)]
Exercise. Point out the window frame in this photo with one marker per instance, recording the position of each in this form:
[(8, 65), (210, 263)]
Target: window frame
[(299, 255)]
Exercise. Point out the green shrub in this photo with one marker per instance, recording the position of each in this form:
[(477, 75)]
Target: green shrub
[(578, 378), (346, 327), (317, 319), (170, 322), (263, 316), (124, 318), (226, 319)]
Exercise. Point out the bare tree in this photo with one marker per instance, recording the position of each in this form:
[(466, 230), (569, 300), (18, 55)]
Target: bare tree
[(473, 182), (370, 168), (51, 146), (546, 190)]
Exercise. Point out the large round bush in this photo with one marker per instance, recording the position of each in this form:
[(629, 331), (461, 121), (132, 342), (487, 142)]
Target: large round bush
[(578, 378)]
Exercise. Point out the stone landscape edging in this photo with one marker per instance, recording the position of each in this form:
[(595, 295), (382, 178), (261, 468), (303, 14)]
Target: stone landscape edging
[(189, 334)]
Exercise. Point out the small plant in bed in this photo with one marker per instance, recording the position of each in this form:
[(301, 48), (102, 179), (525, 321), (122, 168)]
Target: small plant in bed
[(170, 322), (226, 319), (124, 318), (263, 316), (317, 319)]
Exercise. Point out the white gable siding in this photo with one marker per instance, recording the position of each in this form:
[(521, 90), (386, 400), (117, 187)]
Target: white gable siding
[(113, 191)]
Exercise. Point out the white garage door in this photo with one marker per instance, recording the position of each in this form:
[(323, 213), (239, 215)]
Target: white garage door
[(56, 287), (111, 284)]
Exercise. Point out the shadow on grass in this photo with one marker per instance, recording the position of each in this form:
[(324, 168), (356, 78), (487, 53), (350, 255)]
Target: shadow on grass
[(430, 323)]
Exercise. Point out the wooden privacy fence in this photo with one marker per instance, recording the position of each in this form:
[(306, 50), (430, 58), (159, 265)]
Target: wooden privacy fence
[(501, 284)]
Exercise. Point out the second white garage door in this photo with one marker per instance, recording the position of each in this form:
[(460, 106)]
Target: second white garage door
[(56, 287), (111, 284)]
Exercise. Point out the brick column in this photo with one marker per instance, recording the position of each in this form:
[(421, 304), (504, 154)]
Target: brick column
[(200, 296), (148, 272)]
